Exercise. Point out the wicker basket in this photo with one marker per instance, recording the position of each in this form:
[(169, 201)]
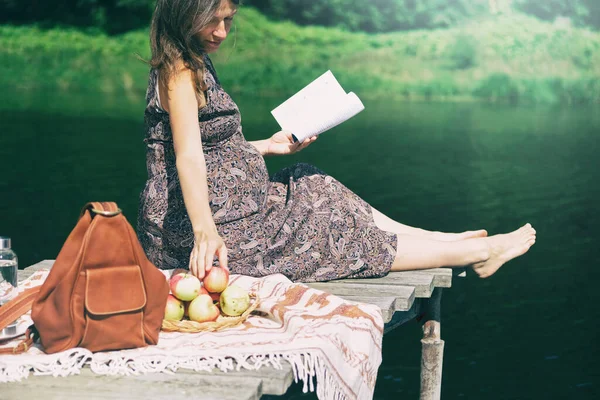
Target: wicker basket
[(221, 323)]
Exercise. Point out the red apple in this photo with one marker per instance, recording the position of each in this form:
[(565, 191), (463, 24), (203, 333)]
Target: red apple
[(215, 296), (185, 286), (216, 280), (174, 309), (202, 309), (180, 271)]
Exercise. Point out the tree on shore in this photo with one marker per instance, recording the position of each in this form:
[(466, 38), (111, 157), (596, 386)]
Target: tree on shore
[(117, 16)]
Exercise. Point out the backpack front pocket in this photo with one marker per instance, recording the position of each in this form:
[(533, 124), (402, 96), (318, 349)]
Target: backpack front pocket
[(114, 308)]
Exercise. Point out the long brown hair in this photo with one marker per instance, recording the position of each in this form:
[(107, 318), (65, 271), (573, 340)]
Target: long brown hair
[(173, 38)]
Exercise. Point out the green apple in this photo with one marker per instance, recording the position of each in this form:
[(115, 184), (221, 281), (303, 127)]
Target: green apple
[(202, 309), (174, 309), (234, 301), (185, 286)]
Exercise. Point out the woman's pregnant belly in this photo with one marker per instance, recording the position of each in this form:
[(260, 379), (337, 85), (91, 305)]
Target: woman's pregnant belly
[(237, 179)]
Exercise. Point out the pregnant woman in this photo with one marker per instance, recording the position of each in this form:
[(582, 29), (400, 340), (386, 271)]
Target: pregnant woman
[(209, 194)]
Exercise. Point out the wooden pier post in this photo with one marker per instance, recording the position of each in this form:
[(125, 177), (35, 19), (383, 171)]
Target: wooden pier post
[(432, 355)]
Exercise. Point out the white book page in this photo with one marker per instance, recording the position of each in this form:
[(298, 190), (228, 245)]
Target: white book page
[(316, 108)]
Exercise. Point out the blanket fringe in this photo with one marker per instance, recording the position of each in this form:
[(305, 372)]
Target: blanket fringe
[(62, 364), (323, 364), (306, 366)]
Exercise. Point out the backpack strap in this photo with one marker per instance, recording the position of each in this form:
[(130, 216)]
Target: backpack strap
[(105, 208), (11, 311), (31, 336)]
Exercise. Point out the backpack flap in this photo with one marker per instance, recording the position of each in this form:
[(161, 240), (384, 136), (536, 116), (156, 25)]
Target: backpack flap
[(114, 308)]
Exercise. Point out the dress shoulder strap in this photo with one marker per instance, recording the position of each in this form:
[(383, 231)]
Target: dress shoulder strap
[(211, 68), (152, 93)]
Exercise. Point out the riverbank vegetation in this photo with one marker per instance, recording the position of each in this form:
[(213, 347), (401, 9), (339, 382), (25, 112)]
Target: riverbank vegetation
[(119, 16), (401, 15), (506, 57)]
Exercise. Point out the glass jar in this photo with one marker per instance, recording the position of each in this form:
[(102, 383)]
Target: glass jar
[(9, 264)]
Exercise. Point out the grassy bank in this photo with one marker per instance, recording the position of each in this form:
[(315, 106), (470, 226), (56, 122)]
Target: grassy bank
[(510, 58)]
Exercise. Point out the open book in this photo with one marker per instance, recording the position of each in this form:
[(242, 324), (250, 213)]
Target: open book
[(318, 107)]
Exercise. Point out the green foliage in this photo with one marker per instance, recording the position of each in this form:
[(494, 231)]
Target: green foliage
[(399, 15), (463, 53), (373, 16), (498, 86), (580, 12), (507, 58), (117, 16), (111, 16)]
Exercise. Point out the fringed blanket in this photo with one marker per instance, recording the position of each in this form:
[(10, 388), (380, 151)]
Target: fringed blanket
[(323, 337)]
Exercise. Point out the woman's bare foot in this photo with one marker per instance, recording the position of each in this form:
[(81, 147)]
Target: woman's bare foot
[(452, 237), (504, 248)]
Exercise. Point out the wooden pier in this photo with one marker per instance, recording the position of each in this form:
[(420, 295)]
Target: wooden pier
[(401, 296)]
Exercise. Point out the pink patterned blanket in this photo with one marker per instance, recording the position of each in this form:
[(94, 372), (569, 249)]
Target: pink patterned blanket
[(325, 338)]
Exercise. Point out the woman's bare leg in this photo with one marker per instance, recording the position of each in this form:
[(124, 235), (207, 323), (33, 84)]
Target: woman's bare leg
[(387, 224), (485, 254)]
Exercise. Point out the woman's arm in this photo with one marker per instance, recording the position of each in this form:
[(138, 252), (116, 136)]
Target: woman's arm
[(182, 105), (280, 143), (262, 146)]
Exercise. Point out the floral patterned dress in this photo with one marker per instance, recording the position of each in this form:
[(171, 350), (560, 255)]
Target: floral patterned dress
[(300, 222)]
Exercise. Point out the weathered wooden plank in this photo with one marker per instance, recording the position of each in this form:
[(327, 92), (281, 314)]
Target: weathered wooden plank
[(442, 277), (404, 295), (402, 317), (423, 283), (27, 272), (386, 304), (274, 381), (88, 385)]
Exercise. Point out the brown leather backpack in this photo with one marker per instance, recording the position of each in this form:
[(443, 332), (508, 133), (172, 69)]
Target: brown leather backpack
[(102, 292)]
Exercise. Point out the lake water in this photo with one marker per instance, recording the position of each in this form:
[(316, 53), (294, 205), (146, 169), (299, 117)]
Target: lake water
[(529, 332)]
